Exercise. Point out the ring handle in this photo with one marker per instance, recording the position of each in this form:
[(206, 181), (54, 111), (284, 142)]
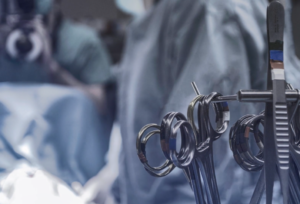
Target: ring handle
[(168, 139), (141, 143)]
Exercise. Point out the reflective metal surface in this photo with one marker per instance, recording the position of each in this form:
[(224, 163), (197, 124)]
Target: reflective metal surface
[(275, 131)]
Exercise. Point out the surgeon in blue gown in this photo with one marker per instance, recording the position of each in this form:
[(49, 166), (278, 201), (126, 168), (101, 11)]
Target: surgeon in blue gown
[(78, 59), (69, 133), (219, 44)]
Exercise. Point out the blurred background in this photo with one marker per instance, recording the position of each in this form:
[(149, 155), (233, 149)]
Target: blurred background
[(79, 79)]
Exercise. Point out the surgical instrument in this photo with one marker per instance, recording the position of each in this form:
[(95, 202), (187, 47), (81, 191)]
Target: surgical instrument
[(278, 142)]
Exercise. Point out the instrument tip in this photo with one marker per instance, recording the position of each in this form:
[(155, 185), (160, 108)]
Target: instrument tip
[(195, 88)]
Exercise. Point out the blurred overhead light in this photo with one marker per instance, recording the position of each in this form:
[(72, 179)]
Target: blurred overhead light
[(133, 7)]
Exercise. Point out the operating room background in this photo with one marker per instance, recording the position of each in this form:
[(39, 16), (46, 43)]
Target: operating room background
[(111, 22), (116, 17), (111, 25)]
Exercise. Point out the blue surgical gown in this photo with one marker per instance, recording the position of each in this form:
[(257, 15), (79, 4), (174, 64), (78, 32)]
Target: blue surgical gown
[(79, 50), (219, 44)]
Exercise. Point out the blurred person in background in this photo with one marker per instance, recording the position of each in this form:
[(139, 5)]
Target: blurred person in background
[(39, 45), (57, 129)]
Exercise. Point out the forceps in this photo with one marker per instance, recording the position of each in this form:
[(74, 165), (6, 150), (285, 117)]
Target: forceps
[(239, 142), (205, 135), (278, 115), (196, 153), (184, 159), (279, 143), (141, 143), (277, 139), (239, 139)]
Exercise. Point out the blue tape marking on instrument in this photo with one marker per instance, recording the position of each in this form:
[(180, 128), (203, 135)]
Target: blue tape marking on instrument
[(224, 104), (172, 144), (276, 55)]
